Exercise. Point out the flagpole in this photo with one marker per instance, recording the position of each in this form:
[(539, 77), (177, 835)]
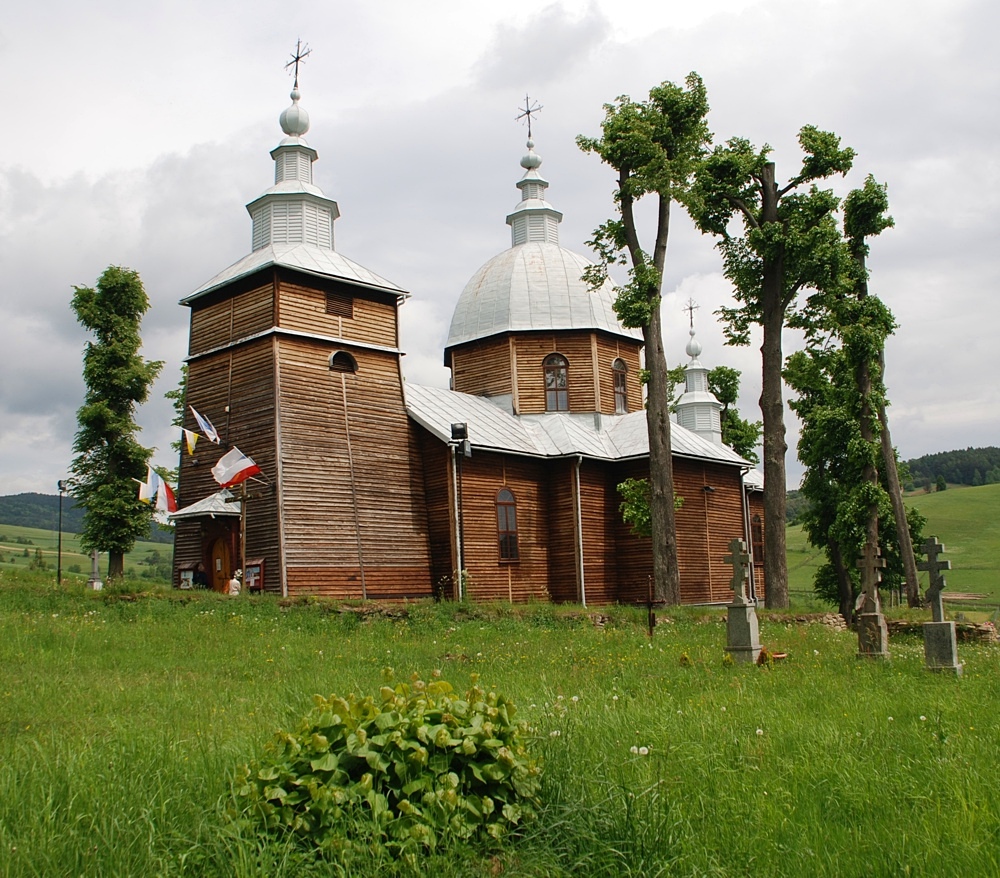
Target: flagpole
[(243, 530)]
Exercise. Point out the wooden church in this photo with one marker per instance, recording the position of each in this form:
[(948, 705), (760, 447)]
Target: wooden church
[(501, 488)]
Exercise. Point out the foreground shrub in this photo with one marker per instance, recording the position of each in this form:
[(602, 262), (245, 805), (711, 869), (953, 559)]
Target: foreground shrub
[(415, 766)]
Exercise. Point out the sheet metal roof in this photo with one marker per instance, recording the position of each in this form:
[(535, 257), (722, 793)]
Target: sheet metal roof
[(553, 434), (532, 286), (213, 505), (302, 257)]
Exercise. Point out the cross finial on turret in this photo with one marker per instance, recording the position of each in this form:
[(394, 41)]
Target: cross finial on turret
[(529, 109), (298, 57), (691, 307)]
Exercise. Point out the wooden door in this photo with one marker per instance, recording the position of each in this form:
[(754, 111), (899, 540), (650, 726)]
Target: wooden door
[(220, 571)]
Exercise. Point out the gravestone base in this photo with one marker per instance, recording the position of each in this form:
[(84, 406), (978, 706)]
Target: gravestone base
[(743, 634), (940, 649), (873, 637)]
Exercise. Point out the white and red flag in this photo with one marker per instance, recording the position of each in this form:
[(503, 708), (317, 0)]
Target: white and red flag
[(234, 467), (211, 434), (165, 500)]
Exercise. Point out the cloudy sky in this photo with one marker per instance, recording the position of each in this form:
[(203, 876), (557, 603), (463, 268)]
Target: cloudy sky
[(135, 133)]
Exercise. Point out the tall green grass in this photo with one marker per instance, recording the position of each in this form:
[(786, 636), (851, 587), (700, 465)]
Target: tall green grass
[(122, 719)]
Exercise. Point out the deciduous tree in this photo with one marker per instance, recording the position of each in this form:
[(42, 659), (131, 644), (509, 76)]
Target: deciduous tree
[(654, 146), (738, 433), (789, 243), (117, 380)]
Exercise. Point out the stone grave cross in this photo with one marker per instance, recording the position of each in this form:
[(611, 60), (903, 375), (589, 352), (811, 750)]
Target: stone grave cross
[(934, 566), (871, 564), (740, 560)]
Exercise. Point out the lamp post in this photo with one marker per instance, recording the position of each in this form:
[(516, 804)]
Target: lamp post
[(62, 490)]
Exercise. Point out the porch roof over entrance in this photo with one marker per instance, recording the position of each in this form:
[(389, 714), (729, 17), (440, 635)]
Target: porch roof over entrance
[(219, 503)]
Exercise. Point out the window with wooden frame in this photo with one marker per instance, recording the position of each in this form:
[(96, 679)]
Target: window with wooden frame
[(757, 537), (507, 525), (556, 383), (620, 371)]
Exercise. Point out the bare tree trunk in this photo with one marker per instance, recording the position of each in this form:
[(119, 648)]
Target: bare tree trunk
[(845, 585), (116, 566), (870, 471), (772, 409), (899, 512), (666, 576)]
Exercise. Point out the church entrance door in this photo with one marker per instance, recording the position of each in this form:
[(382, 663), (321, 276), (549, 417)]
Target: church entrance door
[(220, 570)]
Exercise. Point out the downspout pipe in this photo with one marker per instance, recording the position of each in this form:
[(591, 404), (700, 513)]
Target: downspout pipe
[(457, 509), (747, 536), (579, 529)]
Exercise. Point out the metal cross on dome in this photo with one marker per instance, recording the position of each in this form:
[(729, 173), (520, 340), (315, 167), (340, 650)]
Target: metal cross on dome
[(691, 307), (298, 57), (529, 108)]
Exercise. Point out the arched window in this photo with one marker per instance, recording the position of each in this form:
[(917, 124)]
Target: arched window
[(507, 525), (757, 535), (621, 386), (341, 361), (556, 383)]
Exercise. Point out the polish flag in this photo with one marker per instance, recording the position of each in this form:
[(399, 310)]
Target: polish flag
[(165, 500), (234, 467)]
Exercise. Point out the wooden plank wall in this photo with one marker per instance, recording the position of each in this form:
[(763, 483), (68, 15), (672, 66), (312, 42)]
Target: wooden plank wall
[(755, 500), (610, 348), (482, 367), (706, 522), (437, 491), (218, 323), (533, 348), (483, 475), (241, 378), (303, 308), (318, 504), (600, 512), (561, 514)]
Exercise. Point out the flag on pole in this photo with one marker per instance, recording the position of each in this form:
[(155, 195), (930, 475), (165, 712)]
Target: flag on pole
[(165, 500), (190, 439), (148, 489), (211, 434), (234, 467)]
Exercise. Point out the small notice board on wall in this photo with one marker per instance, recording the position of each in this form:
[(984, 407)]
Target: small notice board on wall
[(253, 576)]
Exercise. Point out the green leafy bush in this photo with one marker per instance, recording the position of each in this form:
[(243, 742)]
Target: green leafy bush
[(416, 765)]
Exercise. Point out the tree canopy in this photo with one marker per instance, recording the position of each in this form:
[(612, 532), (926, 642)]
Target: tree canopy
[(655, 147), (117, 379)]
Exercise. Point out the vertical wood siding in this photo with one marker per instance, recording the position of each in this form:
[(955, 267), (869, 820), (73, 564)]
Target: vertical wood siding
[(610, 348), (323, 515)]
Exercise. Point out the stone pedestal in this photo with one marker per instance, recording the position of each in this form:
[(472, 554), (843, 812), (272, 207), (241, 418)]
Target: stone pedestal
[(940, 649), (873, 638), (743, 635)]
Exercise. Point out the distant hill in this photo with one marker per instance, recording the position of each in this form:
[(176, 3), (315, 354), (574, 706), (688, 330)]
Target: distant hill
[(973, 466), (42, 511)]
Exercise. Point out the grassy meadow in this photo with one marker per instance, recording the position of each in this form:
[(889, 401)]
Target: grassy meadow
[(965, 519), (124, 715)]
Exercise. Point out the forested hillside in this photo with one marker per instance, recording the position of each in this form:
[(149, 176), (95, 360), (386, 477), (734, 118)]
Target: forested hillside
[(972, 466), (42, 511)]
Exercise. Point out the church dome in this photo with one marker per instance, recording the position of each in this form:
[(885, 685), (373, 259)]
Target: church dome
[(536, 284), (532, 286)]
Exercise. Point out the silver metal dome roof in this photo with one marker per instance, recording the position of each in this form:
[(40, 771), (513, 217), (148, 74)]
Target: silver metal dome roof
[(536, 284), (533, 286)]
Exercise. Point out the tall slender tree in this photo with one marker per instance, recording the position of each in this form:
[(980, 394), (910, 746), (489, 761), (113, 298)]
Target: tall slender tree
[(117, 379), (738, 433), (655, 147), (865, 216), (790, 243)]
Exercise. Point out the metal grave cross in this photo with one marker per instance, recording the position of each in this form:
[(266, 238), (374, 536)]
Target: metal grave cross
[(871, 564), (740, 560), (932, 548)]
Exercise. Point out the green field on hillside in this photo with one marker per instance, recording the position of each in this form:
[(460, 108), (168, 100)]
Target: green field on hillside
[(19, 547), (966, 520)]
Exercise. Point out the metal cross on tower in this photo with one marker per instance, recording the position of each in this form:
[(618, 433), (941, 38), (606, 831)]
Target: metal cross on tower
[(298, 57), (526, 113), (691, 306)]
